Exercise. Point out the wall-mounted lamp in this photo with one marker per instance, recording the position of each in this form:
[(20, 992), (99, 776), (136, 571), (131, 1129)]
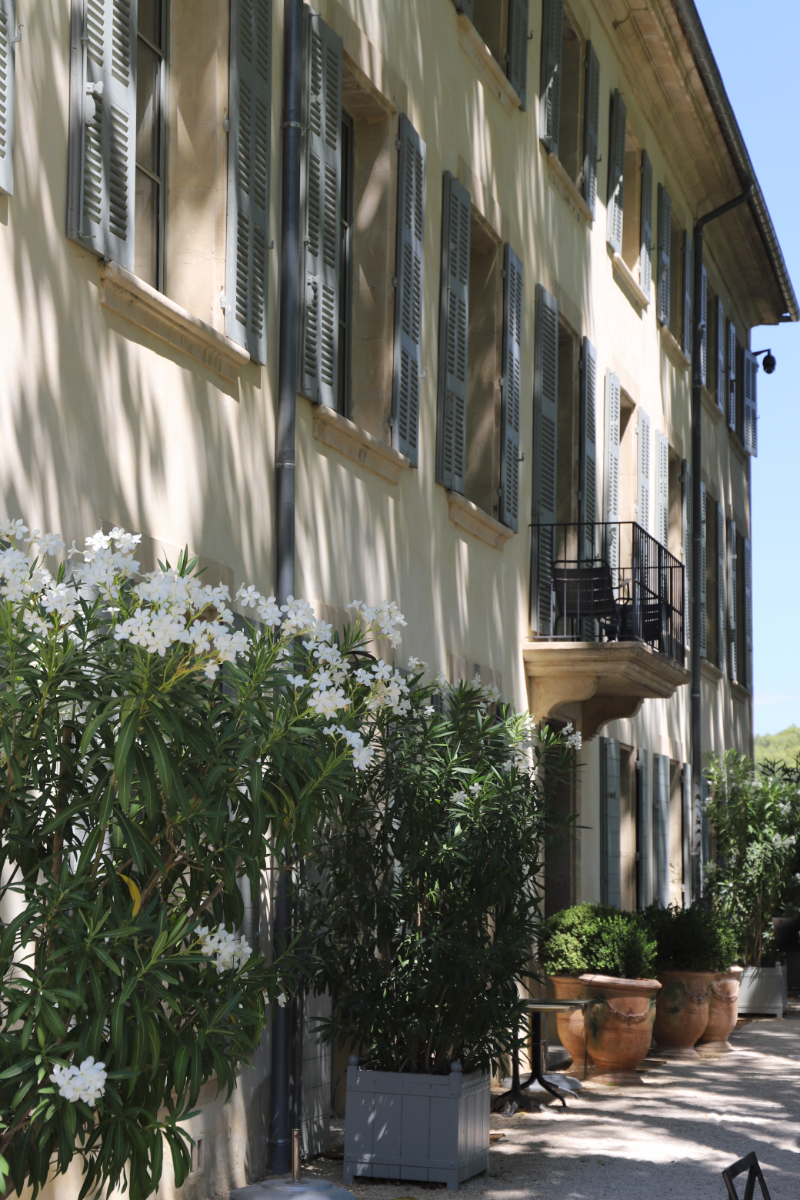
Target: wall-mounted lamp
[(769, 364)]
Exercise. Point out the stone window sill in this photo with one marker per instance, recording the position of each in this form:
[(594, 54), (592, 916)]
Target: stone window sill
[(711, 406), (674, 349), (739, 690), (142, 305), (737, 447), (711, 672), (629, 283), (474, 520), (338, 433), (492, 75), (566, 188)]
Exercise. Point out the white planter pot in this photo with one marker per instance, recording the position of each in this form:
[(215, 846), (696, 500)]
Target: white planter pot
[(432, 1128), (763, 990)]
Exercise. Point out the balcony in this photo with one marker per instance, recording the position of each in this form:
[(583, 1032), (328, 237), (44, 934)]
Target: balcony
[(607, 608)]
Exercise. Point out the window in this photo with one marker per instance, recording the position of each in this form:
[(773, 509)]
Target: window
[(490, 18), (676, 279), (631, 239), (479, 341), (569, 98), (570, 126), (151, 142), (503, 25)]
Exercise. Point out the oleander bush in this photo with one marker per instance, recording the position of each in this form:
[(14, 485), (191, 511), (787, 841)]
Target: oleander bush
[(598, 939), (153, 757), (691, 939)]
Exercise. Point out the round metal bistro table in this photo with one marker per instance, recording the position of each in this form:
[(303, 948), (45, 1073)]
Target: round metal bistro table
[(536, 1008)]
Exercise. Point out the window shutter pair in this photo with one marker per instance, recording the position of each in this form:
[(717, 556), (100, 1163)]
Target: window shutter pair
[(688, 297), (102, 149), (408, 295), (661, 827), (686, 544), (545, 448), (662, 491), (643, 472), (748, 614), (616, 172), (249, 156), (645, 810), (587, 454), (646, 248), (611, 473), (664, 253), (720, 587), (610, 822), (453, 334), (703, 328), (591, 127), (103, 127), (701, 582), (720, 348), (733, 593), (731, 376), (750, 403), (8, 31), (550, 75)]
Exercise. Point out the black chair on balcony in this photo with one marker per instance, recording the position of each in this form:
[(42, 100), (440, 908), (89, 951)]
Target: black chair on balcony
[(585, 592)]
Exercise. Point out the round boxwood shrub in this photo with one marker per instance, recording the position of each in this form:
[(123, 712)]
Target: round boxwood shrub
[(597, 939), (691, 939)]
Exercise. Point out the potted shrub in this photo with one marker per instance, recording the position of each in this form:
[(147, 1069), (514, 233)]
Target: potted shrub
[(755, 818), (420, 924), (693, 947), (591, 951)]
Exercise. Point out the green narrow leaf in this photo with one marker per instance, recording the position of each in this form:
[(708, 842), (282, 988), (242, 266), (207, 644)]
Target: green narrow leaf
[(179, 1069), (123, 749)]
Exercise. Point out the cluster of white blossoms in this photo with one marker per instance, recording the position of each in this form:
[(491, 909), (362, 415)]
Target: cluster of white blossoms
[(474, 788), (362, 755), (387, 686), (223, 948), (573, 740), (20, 579), (385, 618), (86, 1082)]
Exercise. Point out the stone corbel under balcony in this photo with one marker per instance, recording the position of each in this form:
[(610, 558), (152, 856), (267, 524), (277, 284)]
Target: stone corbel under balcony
[(592, 683)]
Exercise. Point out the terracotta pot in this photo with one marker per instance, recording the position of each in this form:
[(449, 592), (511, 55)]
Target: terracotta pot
[(723, 1010), (572, 1025), (620, 1021), (682, 1011)]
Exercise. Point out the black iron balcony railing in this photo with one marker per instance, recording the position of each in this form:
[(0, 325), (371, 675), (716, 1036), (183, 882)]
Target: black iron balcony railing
[(606, 582)]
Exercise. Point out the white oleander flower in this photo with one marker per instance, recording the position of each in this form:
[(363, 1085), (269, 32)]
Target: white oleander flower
[(86, 1082), (249, 597), (416, 665), (282, 999), (14, 529), (441, 681), (269, 612), (223, 948), (382, 670), (297, 681), (327, 703), (362, 757), (321, 679), (428, 710), (475, 788), (51, 543), (459, 796)]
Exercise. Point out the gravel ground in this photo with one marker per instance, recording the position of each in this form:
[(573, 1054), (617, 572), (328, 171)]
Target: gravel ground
[(671, 1135)]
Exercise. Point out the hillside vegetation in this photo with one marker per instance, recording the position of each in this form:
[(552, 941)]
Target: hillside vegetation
[(783, 746)]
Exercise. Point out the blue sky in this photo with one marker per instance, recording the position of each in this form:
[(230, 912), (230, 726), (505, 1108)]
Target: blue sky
[(756, 50)]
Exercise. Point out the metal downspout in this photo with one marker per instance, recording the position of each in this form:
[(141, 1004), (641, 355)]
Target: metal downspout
[(280, 1141), (696, 727)]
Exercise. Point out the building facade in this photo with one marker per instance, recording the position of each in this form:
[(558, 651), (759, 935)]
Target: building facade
[(496, 306)]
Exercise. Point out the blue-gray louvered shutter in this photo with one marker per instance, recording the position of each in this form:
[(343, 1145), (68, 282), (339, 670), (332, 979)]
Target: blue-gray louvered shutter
[(512, 389), (646, 240), (408, 294), (611, 474), (464, 6), (686, 545), (720, 348), (748, 614), (701, 582), (731, 374), (8, 30), (320, 200), (750, 390), (662, 489), (686, 833), (517, 66), (664, 253), (688, 278), (703, 328), (610, 823), (550, 77), (733, 592), (643, 472), (616, 172), (645, 846), (720, 573), (453, 336), (661, 827), (591, 127), (545, 458), (247, 249), (587, 452), (102, 143)]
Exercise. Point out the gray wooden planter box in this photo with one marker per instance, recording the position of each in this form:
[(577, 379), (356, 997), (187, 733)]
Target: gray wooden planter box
[(433, 1128), (764, 990)]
